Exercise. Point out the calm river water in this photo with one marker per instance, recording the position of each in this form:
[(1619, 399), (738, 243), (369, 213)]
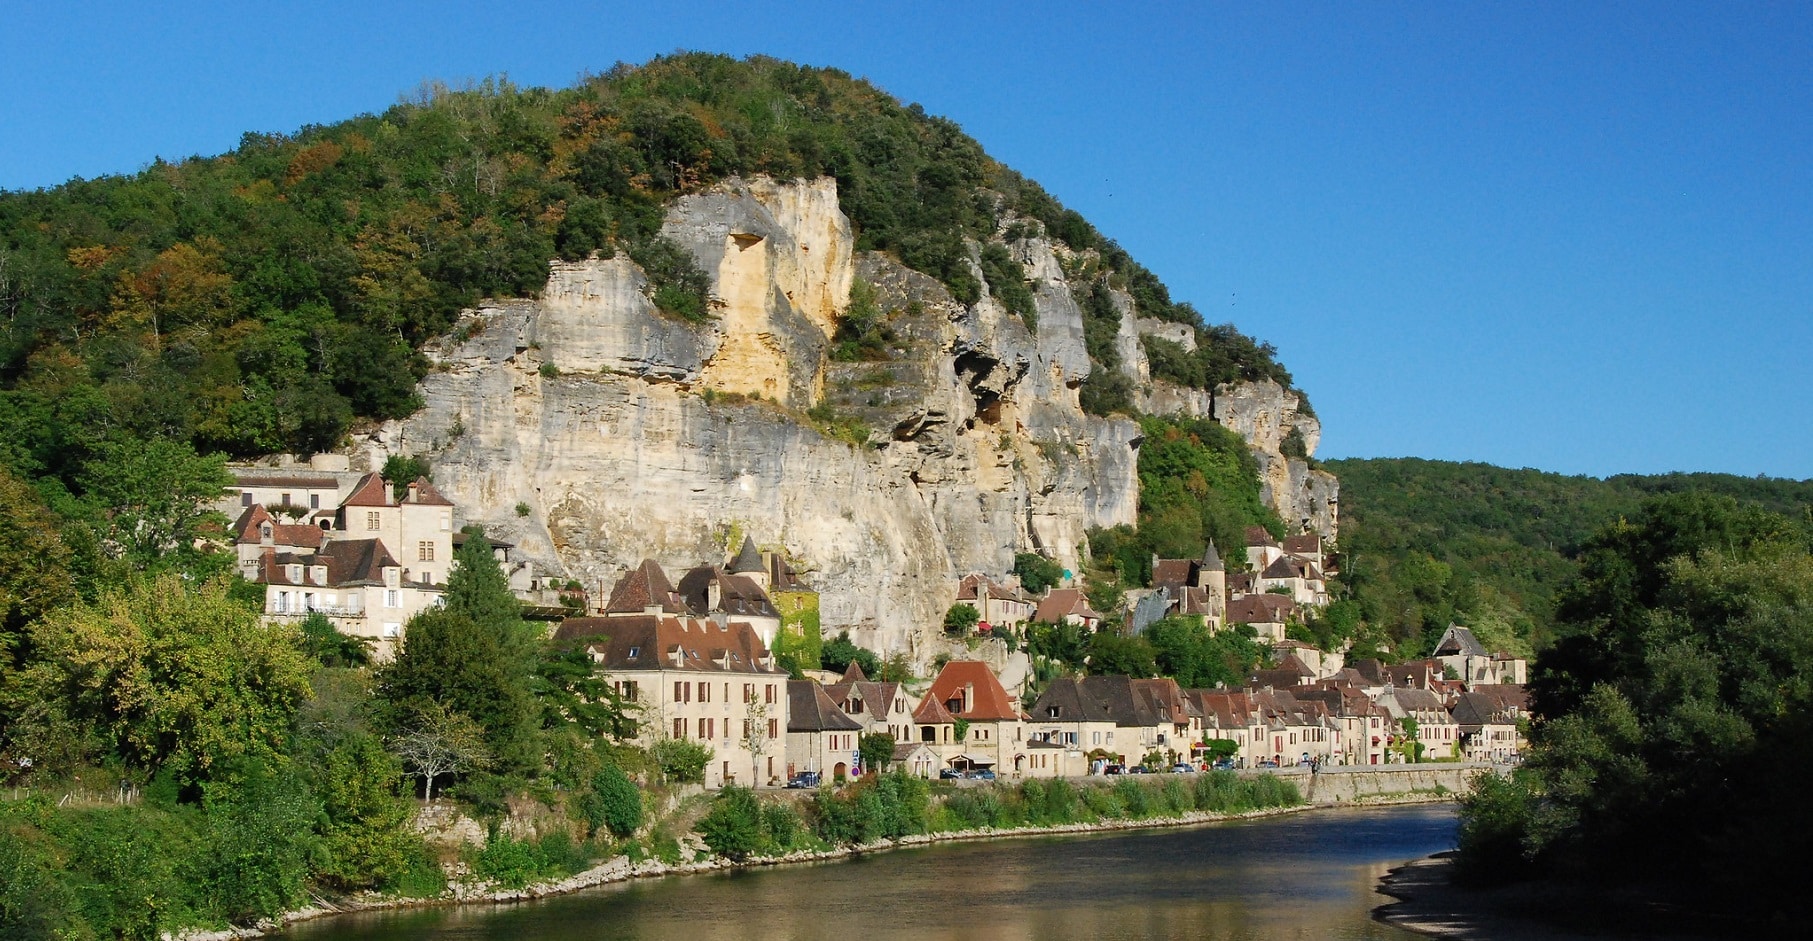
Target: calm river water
[(1307, 876)]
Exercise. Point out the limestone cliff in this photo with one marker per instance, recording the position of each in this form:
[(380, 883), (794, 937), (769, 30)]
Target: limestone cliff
[(594, 431)]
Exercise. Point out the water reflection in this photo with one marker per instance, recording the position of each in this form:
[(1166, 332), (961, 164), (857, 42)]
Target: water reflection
[(1309, 876)]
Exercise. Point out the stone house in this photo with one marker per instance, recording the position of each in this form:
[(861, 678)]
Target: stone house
[(1267, 614), (1074, 725), (998, 605), (1299, 580), (1460, 650), (1491, 720), (1067, 606), (968, 690), (1261, 549), (877, 707), (820, 737), (702, 680), (1436, 729)]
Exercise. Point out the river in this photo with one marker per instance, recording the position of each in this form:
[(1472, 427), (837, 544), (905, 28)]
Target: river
[(1303, 876)]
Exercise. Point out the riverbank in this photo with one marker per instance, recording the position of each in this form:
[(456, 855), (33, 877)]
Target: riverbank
[(1429, 903), (622, 869)]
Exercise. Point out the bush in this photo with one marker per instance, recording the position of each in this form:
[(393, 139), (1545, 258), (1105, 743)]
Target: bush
[(1494, 828), (681, 760), (733, 828), (614, 803)]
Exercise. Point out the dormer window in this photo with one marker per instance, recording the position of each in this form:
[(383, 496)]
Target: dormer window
[(635, 652)]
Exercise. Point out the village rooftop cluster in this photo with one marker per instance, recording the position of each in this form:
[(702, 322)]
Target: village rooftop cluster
[(695, 661)]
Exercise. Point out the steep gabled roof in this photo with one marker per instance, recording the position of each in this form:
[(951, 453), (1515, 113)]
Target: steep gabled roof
[(643, 587), (1117, 696), (371, 490), (422, 493), (810, 710), (782, 577), (1286, 566), (988, 699), (1459, 641), (1258, 536), (356, 561), (1173, 573), (932, 712)]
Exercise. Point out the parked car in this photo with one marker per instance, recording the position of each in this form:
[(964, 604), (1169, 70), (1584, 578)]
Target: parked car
[(1115, 769), (1183, 767), (1139, 769), (950, 774), (803, 779), (983, 774), (1224, 764), (1266, 763)]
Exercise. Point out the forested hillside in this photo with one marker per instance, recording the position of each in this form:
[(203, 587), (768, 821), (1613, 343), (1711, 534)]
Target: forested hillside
[(265, 299), (1426, 542)]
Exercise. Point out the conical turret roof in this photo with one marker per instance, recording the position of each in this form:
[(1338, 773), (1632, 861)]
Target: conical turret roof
[(1211, 559), (748, 560)]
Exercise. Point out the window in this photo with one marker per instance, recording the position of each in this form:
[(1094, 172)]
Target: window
[(705, 692), (635, 652), (374, 520), (630, 692), (314, 501), (679, 728), (746, 728), (424, 551), (392, 629), (774, 728), (286, 500), (703, 732), (768, 691), (393, 598), (679, 691), (245, 498), (749, 692)]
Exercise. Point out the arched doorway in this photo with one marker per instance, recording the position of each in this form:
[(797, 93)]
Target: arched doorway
[(841, 771)]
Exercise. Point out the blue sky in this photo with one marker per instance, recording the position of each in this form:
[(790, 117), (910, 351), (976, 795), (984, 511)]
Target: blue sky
[(1565, 236)]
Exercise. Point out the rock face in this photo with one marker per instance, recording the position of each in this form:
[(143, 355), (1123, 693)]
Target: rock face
[(593, 431)]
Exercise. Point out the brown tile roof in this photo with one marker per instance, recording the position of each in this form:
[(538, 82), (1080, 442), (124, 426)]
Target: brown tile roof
[(782, 577), (738, 595), (422, 492), (1258, 536), (246, 529), (1305, 544), (349, 562), (1260, 609), (371, 490), (642, 587), (809, 709), (932, 712), (1285, 566), (662, 642), (1174, 573), (988, 699), (1062, 602)]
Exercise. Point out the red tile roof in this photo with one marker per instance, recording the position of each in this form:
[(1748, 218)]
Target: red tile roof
[(642, 587), (651, 642), (1062, 602), (988, 699), (371, 490)]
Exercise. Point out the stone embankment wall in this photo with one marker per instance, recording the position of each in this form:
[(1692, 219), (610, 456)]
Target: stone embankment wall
[(1346, 785)]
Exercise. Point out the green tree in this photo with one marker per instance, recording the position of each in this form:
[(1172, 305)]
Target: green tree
[(681, 761), (733, 826), (1037, 573), (1111, 654), (877, 751), (262, 841), (164, 674), (837, 656), (155, 498), (450, 661), (961, 618), (365, 837), (614, 803)]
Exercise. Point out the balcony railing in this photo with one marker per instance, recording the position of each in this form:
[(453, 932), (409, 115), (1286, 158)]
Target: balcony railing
[(298, 611)]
